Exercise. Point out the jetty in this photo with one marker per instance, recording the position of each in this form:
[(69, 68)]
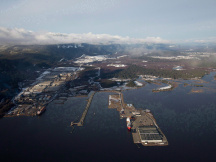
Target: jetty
[(81, 122)]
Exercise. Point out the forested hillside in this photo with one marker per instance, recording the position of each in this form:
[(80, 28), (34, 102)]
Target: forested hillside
[(133, 72)]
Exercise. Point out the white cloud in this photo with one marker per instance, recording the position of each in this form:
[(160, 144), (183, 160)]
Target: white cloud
[(204, 40), (24, 37), (207, 40)]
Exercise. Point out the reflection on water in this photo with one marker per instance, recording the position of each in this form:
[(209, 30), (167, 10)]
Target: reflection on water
[(187, 120)]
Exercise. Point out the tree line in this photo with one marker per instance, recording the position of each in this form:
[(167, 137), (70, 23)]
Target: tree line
[(133, 71)]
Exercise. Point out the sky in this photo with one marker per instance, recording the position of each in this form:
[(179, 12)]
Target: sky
[(123, 20)]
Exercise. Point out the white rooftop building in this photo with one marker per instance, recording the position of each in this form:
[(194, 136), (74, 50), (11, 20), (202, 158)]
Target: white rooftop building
[(138, 83), (166, 87), (117, 65)]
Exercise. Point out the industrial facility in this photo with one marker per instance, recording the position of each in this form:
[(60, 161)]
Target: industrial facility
[(149, 134), (140, 122), (50, 84)]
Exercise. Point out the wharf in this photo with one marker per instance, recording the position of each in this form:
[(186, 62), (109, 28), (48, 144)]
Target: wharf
[(144, 128), (146, 131), (81, 122), (143, 124)]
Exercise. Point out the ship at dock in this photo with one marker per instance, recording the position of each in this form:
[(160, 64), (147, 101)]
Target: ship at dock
[(128, 124), (41, 110), (141, 123), (146, 131)]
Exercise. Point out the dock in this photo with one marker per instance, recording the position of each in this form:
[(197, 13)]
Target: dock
[(146, 131), (144, 128), (81, 122)]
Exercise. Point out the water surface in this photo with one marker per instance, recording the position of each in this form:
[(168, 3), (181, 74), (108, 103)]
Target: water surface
[(187, 119)]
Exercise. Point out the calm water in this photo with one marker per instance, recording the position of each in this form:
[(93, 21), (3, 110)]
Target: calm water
[(187, 119)]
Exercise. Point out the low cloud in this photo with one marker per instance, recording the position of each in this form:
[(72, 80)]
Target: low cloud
[(198, 41), (208, 40), (18, 36)]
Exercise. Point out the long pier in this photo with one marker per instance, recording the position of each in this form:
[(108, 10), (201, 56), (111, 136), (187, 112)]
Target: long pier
[(81, 122)]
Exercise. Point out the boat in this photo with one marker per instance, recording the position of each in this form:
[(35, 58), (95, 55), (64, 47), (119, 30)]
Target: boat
[(40, 111), (128, 123)]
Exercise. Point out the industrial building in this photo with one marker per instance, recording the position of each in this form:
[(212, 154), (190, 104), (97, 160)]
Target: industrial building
[(138, 84), (149, 134), (165, 88)]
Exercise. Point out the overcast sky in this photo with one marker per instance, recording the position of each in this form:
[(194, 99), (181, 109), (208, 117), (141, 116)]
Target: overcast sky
[(173, 20)]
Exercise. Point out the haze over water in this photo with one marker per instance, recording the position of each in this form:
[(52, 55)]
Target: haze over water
[(187, 119)]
